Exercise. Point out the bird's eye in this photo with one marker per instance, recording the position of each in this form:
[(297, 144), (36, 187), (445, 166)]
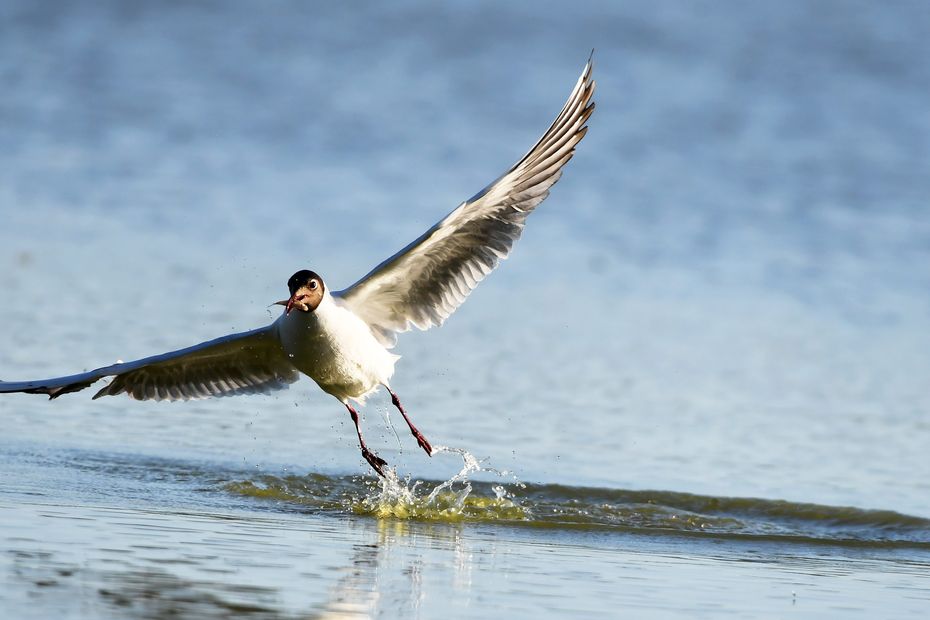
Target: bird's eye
[(312, 285)]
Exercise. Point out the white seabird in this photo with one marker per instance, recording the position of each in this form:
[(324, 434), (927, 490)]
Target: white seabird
[(341, 339)]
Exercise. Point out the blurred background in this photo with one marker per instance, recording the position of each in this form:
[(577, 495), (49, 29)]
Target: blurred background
[(727, 293)]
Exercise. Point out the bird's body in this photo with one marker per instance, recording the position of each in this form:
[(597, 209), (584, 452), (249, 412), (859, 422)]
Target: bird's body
[(337, 349), (341, 339)]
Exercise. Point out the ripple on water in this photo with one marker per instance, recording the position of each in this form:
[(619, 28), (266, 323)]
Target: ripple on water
[(510, 502)]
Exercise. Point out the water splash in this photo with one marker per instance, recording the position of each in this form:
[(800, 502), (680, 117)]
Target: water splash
[(454, 500), (451, 500), (558, 507)]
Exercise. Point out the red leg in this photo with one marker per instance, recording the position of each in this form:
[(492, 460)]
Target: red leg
[(377, 463), (413, 429)]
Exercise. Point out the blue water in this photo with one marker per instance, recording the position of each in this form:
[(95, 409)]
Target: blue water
[(726, 295)]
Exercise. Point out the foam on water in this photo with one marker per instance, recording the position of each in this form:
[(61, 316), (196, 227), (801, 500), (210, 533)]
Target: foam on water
[(450, 500), (393, 496)]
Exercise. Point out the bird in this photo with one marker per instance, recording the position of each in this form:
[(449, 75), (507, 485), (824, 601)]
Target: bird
[(342, 339)]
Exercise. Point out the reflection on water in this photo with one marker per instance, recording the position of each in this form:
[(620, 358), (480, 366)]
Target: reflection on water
[(231, 574), (160, 594), (356, 594), (239, 543), (128, 563)]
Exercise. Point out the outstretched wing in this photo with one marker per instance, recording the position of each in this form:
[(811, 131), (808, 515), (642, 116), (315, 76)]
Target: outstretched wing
[(426, 281), (246, 363)]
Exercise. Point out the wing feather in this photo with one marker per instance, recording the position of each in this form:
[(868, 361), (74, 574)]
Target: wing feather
[(424, 283), (248, 363)]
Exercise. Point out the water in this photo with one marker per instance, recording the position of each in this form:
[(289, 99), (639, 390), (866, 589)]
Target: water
[(703, 369)]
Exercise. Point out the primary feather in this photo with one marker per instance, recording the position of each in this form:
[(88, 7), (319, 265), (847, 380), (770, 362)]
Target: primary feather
[(426, 281), (246, 363), (344, 352)]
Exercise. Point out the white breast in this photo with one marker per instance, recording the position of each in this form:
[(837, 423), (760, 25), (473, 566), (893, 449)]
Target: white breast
[(336, 348)]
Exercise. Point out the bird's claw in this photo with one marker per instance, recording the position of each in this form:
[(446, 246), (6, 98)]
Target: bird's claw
[(377, 463), (421, 440)]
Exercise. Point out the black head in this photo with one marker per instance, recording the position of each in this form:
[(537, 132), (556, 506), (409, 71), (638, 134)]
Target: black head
[(306, 289), (304, 277)]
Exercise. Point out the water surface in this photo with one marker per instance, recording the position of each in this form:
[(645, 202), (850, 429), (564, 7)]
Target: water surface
[(703, 370)]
